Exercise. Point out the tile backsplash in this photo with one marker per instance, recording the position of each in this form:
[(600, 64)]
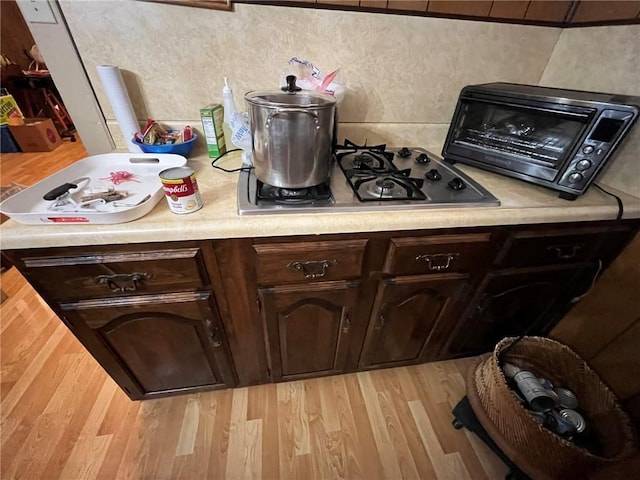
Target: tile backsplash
[(403, 74), (603, 59), (397, 69)]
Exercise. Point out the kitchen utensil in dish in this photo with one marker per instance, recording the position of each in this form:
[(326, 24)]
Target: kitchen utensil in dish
[(133, 173), (292, 132), (66, 189)]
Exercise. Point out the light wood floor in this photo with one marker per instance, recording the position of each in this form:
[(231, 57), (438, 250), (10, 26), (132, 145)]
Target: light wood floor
[(62, 417), (29, 168)]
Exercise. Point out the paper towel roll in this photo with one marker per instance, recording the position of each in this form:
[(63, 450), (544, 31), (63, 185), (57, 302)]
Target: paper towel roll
[(120, 102)]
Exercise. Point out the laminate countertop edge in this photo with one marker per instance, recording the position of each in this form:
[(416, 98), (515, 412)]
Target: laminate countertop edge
[(521, 203)]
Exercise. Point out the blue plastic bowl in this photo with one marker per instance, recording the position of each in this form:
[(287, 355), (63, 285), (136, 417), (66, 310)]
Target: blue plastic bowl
[(183, 149)]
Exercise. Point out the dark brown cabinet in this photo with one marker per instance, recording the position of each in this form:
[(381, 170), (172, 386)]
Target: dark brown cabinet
[(308, 293), (511, 303), (559, 13), (298, 262), (438, 254), (588, 12), (411, 315), (174, 317), (421, 296), (308, 327), (535, 278), (95, 272), (146, 313), (164, 343)]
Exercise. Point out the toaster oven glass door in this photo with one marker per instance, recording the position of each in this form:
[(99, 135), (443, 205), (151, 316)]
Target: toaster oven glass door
[(535, 136)]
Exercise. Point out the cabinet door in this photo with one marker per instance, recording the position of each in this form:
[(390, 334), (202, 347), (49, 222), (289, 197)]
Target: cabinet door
[(165, 343), (510, 302), (410, 319), (308, 327)]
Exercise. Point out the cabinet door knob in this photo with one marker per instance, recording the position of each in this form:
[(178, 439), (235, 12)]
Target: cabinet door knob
[(438, 261), (122, 282), (313, 268), (381, 318), (213, 334), (346, 326)]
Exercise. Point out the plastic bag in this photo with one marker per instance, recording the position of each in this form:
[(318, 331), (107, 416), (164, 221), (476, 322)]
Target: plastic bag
[(241, 135), (310, 77)]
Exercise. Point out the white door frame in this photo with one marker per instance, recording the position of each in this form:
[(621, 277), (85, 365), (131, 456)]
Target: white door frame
[(67, 71)]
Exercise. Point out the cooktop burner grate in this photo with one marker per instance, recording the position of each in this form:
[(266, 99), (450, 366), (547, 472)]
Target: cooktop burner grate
[(370, 178), (318, 194), (374, 176)]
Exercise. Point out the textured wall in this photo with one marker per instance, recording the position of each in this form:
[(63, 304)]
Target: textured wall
[(403, 72), (605, 59)]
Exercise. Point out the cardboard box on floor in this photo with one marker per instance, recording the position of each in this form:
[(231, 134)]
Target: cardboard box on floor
[(36, 135)]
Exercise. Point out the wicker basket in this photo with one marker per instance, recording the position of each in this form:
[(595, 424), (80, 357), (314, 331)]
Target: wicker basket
[(534, 449)]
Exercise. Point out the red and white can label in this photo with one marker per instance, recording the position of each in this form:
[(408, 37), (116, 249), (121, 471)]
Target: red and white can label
[(181, 189)]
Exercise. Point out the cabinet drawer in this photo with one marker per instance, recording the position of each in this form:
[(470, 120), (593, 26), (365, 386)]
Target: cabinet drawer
[(309, 261), (529, 248), (438, 254), (101, 273)]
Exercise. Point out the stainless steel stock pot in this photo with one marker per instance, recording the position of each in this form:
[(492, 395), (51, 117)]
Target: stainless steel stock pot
[(292, 132)]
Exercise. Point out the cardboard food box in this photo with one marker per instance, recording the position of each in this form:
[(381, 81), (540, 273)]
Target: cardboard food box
[(36, 135), (8, 109), (212, 117)]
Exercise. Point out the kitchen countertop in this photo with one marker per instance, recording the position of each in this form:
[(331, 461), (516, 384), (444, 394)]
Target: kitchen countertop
[(521, 203)]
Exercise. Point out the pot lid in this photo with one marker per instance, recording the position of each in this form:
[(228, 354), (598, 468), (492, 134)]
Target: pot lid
[(290, 95)]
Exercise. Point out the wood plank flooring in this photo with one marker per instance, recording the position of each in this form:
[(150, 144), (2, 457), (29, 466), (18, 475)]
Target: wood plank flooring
[(29, 168), (62, 417)]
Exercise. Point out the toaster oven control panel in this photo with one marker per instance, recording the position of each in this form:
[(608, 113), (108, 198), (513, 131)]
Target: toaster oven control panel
[(598, 145)]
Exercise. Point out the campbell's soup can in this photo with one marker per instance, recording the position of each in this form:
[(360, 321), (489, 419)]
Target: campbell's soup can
[(181, 189)]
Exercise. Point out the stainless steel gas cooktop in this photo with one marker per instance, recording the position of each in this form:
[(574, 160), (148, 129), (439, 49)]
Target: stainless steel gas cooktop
[(370, 178)]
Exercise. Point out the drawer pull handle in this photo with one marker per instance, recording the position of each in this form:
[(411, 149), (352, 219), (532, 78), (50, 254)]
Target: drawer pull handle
[(438, 261), (565, 252), (122, 282), (313, 268)]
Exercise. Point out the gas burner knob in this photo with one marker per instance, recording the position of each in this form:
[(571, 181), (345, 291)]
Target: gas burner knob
[(423, 158), (404, 152), (433, 174), (457, 184)]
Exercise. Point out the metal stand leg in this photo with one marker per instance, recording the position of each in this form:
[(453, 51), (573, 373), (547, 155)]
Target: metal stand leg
[(464, 417)]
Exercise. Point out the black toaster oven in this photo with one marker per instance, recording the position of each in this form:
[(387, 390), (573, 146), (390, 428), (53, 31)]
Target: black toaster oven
[(557, 138)]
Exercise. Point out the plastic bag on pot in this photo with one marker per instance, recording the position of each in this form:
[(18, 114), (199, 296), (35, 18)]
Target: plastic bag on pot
[(310, 77)]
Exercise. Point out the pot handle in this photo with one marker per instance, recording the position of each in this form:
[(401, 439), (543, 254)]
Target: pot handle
[(293, 110)]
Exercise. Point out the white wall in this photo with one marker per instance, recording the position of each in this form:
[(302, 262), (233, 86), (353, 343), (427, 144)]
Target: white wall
[(67, 71)]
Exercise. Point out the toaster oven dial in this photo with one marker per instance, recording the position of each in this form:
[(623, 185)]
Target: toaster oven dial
[(583, 164), (575, 177)]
